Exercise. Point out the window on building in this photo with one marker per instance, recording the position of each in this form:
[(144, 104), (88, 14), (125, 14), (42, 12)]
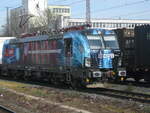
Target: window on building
[(123, 25), (117, 25), (72, 23), (97, 24), (104, 25), (68, 10), (54, 10), (108, 25), (100, 24), (59, 10), (94, 24), (63, 10)]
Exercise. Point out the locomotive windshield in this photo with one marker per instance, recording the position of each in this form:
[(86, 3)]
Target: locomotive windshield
[(102, 38), (95, 41), (111, 41)]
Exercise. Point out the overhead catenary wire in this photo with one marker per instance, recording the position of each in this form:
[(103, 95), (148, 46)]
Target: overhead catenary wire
[(56, 1), (116, 7), (133, 13), (73, 3), (121, 5), (76, 2)]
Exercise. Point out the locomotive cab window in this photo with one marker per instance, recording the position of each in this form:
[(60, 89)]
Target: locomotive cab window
[(111, 41), (94, 38), (68, 47), (95, 41)]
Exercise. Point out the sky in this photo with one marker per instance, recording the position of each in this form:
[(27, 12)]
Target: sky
[(110, 9)]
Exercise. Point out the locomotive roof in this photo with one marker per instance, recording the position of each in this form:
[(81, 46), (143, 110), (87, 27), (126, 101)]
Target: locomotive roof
[(36, 38)]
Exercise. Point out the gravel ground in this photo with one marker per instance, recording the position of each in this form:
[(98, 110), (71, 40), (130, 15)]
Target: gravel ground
[(25, 98)]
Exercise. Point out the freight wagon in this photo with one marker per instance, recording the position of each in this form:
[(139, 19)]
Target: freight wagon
[(77, 56), (135, 47)]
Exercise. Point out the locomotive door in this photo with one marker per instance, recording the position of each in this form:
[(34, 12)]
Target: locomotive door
[(68, 51)]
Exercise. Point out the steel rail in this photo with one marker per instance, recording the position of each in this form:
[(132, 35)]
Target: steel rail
[(144, 98), (6, 109)]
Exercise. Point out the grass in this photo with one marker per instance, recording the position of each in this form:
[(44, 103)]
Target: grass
[(21, 87), (146, 109), (129, 88), (113, 109), (38, 92), (73, 94), (13, 85)]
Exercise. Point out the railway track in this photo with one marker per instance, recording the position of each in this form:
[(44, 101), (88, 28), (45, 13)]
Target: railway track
[(139, 97), (5, 110), (143, 98), (133, 83)]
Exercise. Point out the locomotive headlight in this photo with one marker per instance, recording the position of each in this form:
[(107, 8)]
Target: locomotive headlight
[(87, 62)]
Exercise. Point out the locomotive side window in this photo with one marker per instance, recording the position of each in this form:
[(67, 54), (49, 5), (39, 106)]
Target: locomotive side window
[(68, 47)]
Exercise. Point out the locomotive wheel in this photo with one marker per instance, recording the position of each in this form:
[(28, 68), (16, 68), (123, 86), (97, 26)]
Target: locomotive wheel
[(78, 84), (27, 75), (73, 83), (15, 75)]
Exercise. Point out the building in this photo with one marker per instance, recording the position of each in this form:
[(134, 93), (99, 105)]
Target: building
[(107, 23), (64, 11)]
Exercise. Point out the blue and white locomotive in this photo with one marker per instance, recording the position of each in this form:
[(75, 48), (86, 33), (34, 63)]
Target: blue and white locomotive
[(78, 56)]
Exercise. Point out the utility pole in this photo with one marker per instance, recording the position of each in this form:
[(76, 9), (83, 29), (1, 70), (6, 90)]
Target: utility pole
[(8, 24), (88, 12)]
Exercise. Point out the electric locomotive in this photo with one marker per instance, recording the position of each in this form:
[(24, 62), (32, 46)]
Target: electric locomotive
[(77, 56)]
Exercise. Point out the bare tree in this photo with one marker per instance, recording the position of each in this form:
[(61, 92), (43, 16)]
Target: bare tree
[(14, 24), (45, 21)]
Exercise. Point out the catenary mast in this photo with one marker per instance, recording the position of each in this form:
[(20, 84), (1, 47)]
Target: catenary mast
[(88, 12)]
